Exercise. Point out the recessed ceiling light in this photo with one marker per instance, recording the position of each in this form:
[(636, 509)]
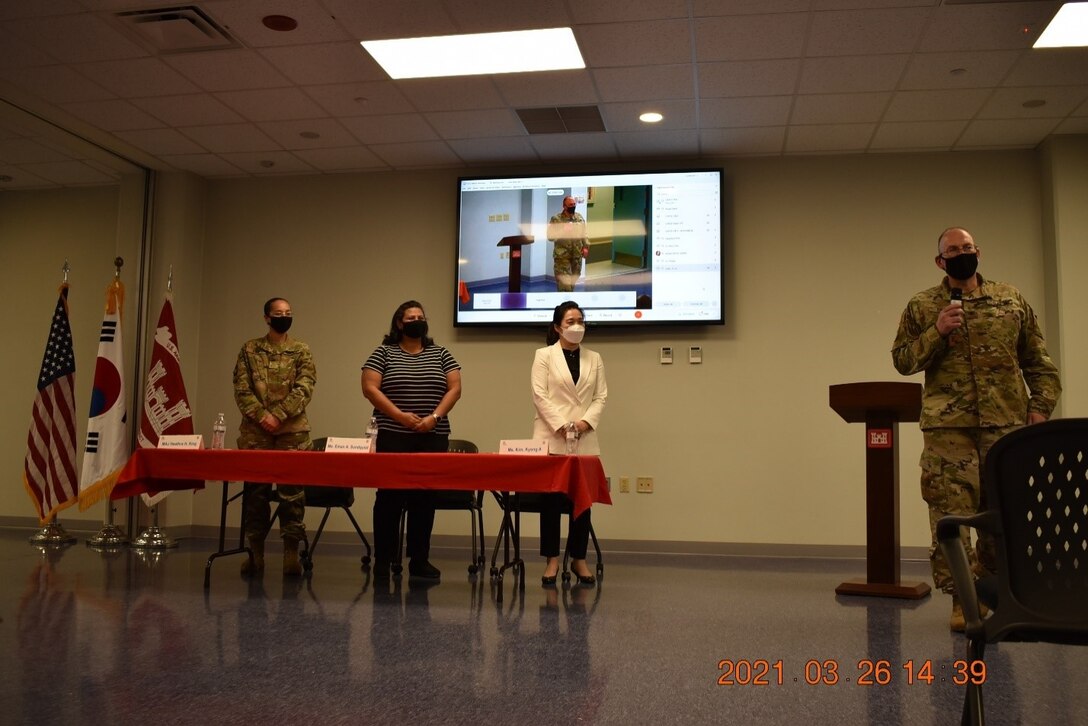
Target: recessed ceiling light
[(957, 71), (309, 134), (6, 178), (267, 163), (1068, 29), (519, 51), (279, 23), (650, 117), (1034, 103)]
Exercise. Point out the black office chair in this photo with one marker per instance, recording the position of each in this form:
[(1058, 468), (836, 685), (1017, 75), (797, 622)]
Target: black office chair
[(1036, 485), (327, 498), (448, 500), (532, 503)]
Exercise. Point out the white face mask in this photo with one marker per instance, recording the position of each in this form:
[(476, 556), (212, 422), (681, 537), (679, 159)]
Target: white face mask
[(574, 334)]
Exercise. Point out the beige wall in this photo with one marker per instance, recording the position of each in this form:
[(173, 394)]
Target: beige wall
[(822, 255)]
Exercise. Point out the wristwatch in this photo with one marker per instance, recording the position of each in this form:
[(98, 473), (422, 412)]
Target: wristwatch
[(437, 418)]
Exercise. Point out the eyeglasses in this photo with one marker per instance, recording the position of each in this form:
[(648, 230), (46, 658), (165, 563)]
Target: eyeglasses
[(967, 249), (280, 314)]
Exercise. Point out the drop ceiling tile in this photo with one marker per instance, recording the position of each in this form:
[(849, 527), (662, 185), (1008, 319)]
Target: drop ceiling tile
[(748, 78), (645, 43), (499, 149), (475, 124), (112, 115), (55, 84), (200, 109), (14, 53), (702, 8), (644, 83), (349, 158), (944, 105), (624, 116), (743, 141), (230, 137), (393, 129), (70, 173), (324, 64), (750, 37), (227, 70), (1074, 125), (243, 17), (360, 99), (866, 4), (417, 154), (22, 179), (975, 69), (451, 94), (27, 151), (78, 38), (380, 19), (574, 146), (1060, 101), (985, 26), (160, 141), (915, 135), (995, 133), (138, 77), (288, 134), (205, 165), (271, 104), (852, 74), (488, 16), (1055, 67), (550, 88), (41, 8), (605, 11), (751, 111), (265, 163), (866, 32), (836, 108), (826, 139)]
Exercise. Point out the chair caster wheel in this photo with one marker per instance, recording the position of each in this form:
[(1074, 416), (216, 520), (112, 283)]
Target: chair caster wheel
[(566, 577), (308, 565), (397, 569), (472, 569), (365, 559)]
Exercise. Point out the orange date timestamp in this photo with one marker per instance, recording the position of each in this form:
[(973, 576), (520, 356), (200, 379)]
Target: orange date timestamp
[(833, 672)]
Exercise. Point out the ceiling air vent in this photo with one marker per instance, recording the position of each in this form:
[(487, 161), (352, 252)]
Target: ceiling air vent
[(561, 119), (181, 29)]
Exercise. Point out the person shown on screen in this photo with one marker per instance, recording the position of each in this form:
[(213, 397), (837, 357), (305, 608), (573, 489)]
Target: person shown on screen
[(568, 231), (977, 354), (569, 391), (413, 384), (274, 381)]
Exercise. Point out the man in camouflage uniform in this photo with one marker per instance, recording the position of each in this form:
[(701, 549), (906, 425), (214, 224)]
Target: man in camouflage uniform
[(568, 231), (273, 382), (977, 356)]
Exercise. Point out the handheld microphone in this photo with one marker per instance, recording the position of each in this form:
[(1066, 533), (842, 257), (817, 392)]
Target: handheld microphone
[(957, 296)]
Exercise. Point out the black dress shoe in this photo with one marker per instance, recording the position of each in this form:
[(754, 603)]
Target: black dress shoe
[(547, 581), (424, 569)]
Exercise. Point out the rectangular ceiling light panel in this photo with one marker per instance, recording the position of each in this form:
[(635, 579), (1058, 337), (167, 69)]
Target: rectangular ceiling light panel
[(476, 54), (1068, 29)]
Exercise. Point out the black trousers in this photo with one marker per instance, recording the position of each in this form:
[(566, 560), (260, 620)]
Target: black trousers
[(552, 509), (388, 503)]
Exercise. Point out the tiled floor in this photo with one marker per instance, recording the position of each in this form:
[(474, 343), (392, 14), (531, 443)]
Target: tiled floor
[(90, 638)]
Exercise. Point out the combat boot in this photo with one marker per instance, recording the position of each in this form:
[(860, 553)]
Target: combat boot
[(291, 565), (254, 566)]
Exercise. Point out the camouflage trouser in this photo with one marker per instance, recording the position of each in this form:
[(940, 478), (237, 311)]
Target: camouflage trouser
[(567, 259), (952, 484), (258, 510)]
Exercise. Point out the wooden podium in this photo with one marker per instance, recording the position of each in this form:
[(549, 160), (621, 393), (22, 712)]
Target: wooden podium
[(880, 406), (515, 243)]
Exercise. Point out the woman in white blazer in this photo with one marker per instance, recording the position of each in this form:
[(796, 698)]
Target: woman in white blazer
[(569, 390)]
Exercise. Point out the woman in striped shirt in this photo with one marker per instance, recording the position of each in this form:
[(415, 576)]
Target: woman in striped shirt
[(413, 383)]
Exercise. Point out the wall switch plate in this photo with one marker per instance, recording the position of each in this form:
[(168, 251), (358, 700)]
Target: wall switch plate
[(666, 355), (625, 484), (695, 354)]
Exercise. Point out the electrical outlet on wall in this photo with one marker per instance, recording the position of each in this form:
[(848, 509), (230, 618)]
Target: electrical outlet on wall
[(645, 484)]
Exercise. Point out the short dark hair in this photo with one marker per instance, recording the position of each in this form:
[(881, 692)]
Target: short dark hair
[(395, 334), (268, 305), (560, 312)]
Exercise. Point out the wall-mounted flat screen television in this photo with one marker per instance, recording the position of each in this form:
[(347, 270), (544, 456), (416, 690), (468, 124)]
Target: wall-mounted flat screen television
[(632, 248)]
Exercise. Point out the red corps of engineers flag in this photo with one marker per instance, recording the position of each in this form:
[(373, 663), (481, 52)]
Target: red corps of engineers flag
[(49, 472), (166, 405)]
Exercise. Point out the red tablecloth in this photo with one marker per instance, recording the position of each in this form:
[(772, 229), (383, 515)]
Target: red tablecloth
[(579, 477)]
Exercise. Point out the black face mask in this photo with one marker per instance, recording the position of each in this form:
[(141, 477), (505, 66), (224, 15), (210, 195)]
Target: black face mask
[(961, 267), (569, 210), (415, 329), (281, 324)]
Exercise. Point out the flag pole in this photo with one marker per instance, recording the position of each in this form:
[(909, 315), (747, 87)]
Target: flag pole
[(110, 535), (154, 538), (53, 533)]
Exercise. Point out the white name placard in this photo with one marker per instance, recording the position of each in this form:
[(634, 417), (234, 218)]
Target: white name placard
[(353, 446), (181, 441), (524, 447)]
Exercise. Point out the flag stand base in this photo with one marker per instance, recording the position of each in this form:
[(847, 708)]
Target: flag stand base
[(154, 538), (51, 535), (109, 536)]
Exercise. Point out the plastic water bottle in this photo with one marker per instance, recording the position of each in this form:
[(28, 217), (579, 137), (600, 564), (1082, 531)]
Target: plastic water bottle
[(572, 439), (219, 432), (372, 428)]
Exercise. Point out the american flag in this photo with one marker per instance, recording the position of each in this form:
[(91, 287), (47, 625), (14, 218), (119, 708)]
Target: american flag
[(49, 472)]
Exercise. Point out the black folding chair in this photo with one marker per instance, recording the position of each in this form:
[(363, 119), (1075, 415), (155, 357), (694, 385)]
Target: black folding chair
[(533, 503), (1036, 486)]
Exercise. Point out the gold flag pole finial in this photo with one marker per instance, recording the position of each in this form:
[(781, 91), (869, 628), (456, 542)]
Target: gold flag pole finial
[(66, 269), (118, 263), (170, 280)]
